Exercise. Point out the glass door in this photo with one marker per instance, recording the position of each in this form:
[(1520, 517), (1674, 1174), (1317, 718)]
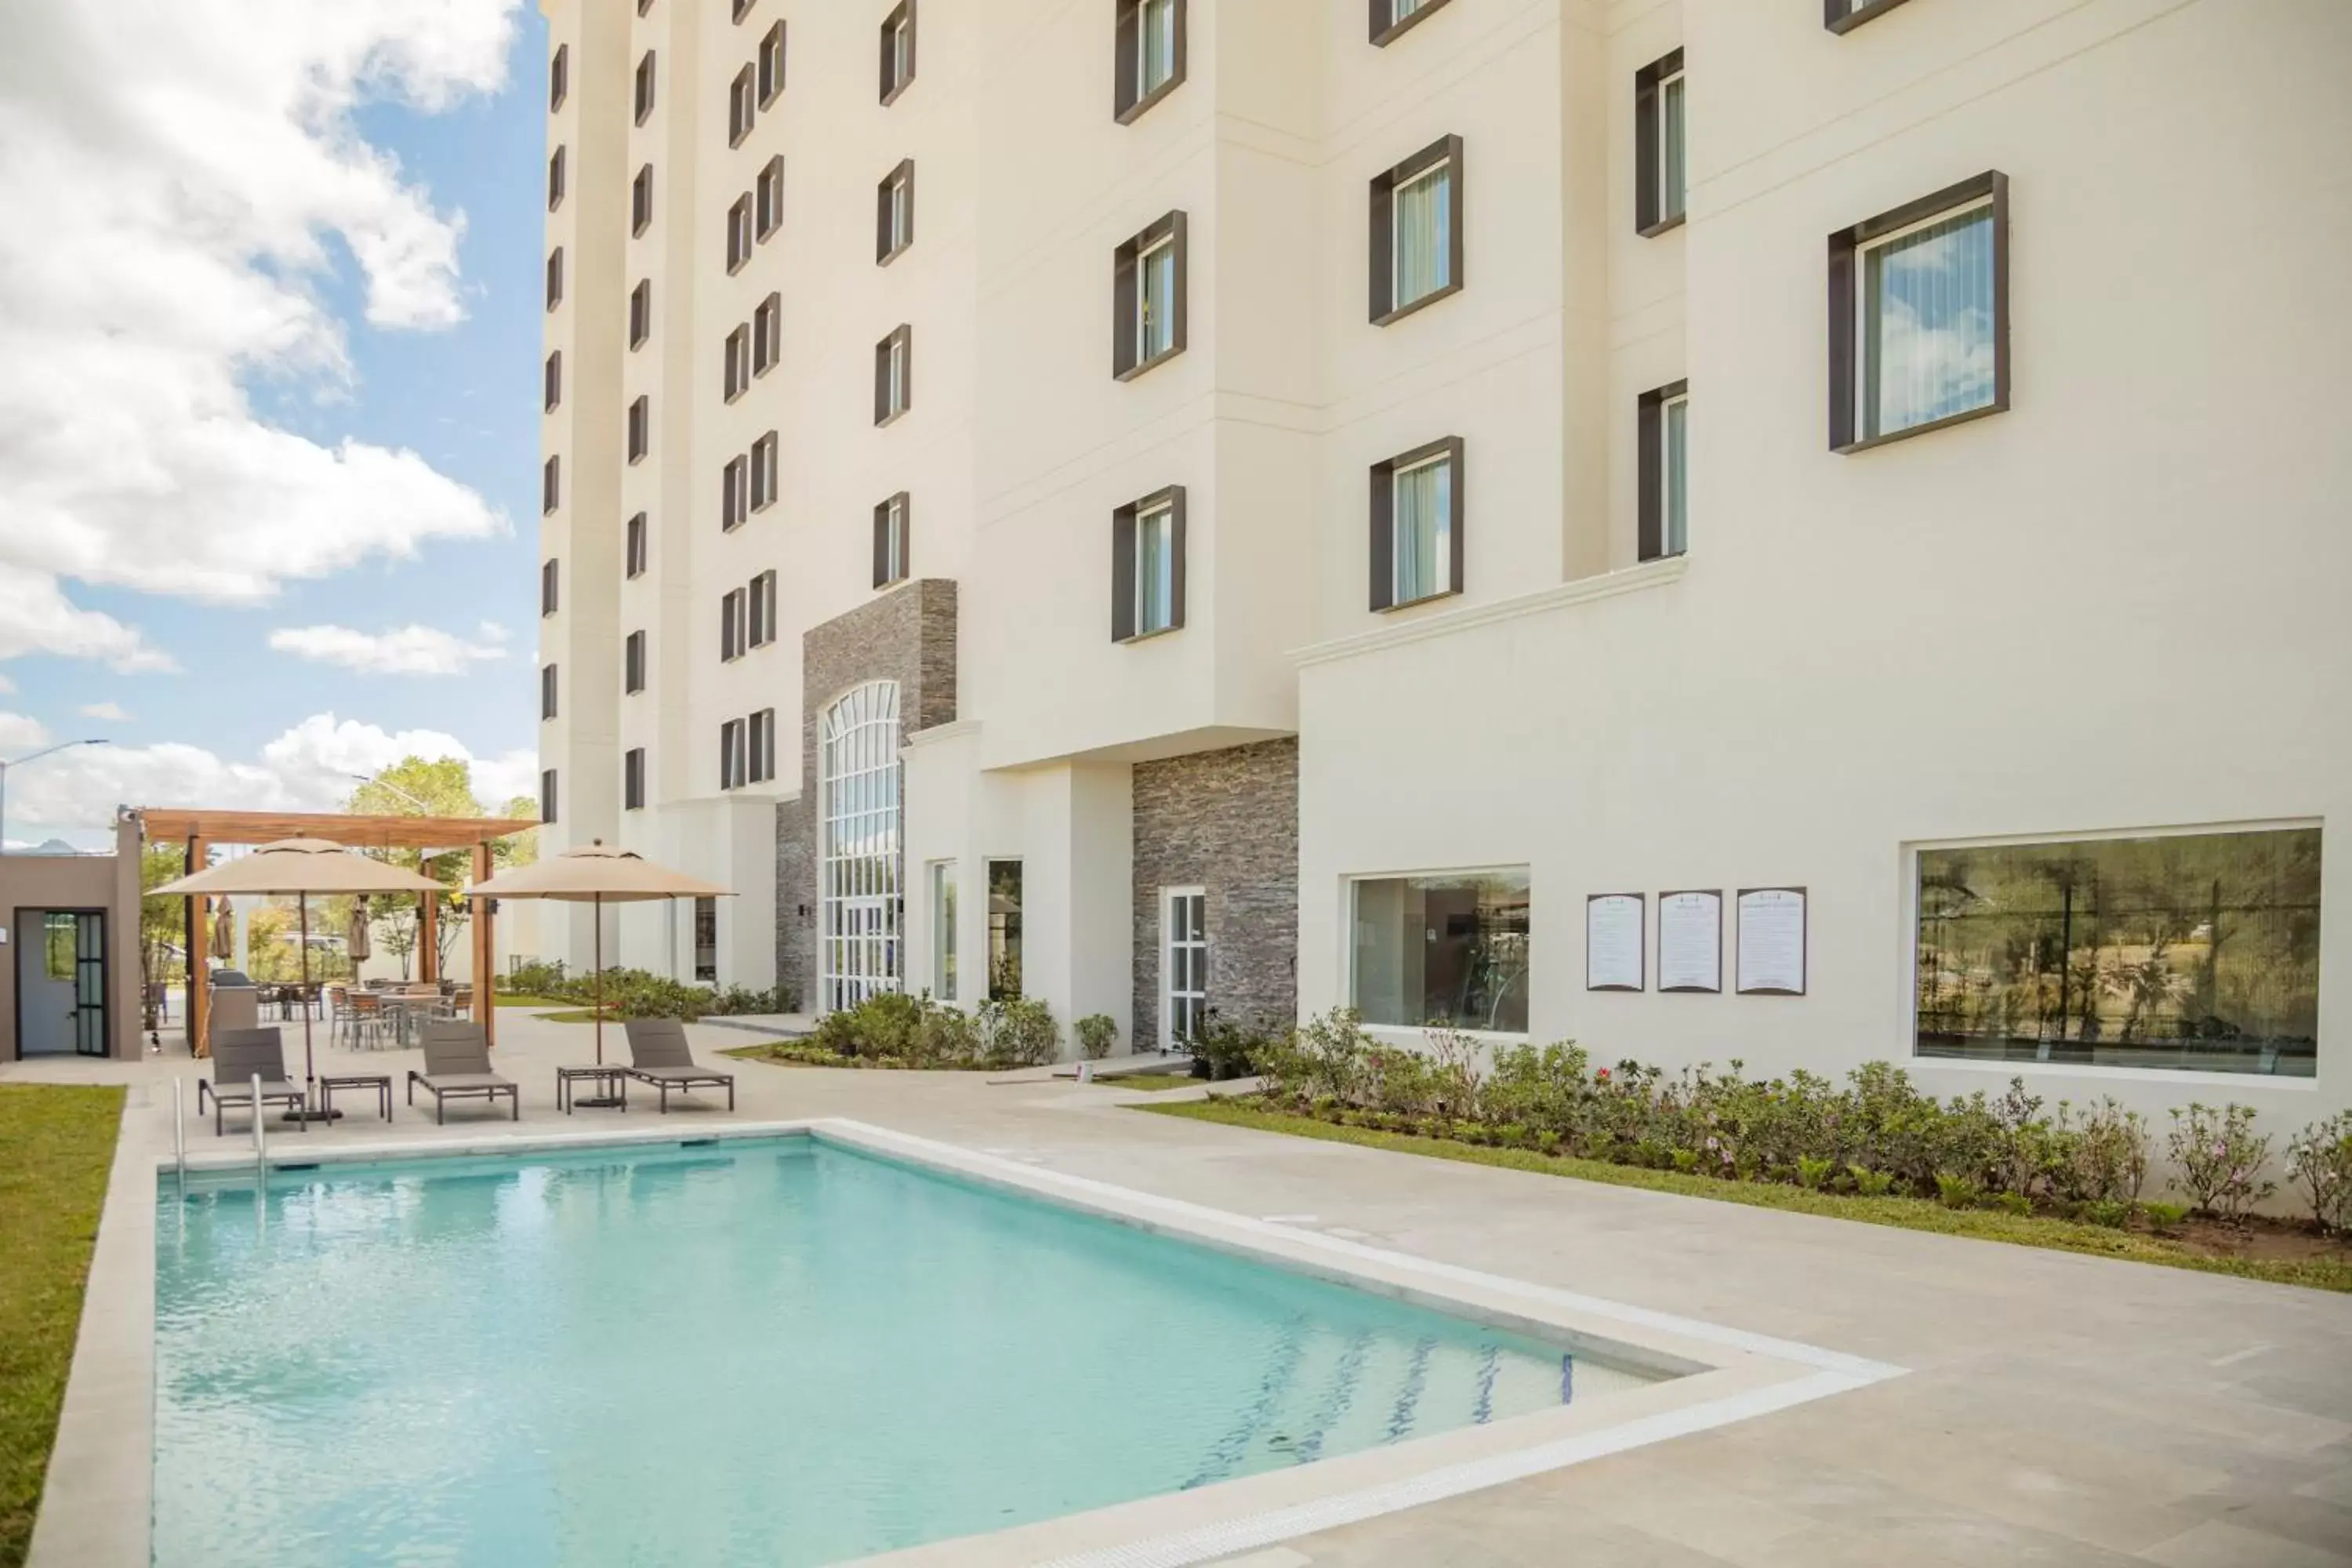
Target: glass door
[(1185, 974), (89, 984)]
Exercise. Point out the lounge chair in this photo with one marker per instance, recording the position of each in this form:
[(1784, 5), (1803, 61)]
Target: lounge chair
[(458, 1066), (238, 1056), (658, 1056)]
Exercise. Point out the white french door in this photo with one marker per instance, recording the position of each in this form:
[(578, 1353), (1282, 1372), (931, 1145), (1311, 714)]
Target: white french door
[(1185, 962)]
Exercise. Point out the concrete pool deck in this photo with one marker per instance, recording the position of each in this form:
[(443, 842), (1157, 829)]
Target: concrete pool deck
[(2058, 1408)]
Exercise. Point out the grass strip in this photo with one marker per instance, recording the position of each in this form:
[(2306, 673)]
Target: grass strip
[(57, 1143), (1907, 1213)]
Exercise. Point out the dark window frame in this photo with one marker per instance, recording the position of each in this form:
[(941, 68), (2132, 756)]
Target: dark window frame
[(1649, 146), (646, 88), (549, 693), (892, 84), (730, 626), (740, 240), (741, 9), (552, 381), (1127, 287), (885, 231), (1129, 103), (554, 277), (1123, 564), (767, 335), (1845, 16), (730, 754), (735, 363), (768, 200), (559, 77), (732, 490), (903, 336), (771, 50), (1845, 248), (759, 734), (550, 485), (742, 105), (1383, 522), (1387, 26), (641, 313), (760, 610), (635, 547), (1384, 307), (547, 794), (555, 161), (640, 200), (550, 594), (632, 664), (883, 576), (633, 779), (766, 472), (1650, 465), (639, 434)]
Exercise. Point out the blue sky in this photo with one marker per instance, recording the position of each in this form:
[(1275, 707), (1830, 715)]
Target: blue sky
[(463, 397)]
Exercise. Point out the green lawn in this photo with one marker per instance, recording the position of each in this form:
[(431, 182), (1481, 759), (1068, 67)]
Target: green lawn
[(55, 1144), (2322, 1272), (520, 1001)]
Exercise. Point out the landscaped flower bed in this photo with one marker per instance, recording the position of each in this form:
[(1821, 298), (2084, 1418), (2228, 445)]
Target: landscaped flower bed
[(894, 1030)]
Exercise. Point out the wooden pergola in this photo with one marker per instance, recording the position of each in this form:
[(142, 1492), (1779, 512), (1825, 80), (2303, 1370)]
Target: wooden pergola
[(200, 830)]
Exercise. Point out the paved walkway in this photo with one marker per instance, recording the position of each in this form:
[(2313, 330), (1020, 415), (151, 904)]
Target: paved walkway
[(2060, 1409)]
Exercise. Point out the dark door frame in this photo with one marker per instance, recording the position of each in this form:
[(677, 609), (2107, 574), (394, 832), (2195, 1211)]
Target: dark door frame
[(105, 975)]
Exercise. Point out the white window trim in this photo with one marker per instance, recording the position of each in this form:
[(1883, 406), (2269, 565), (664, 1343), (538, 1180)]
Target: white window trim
[(894, 538), (1670, 209), (1397, 599), (902, 212), (1671, 488), (894, 370), (1145, 349), (1398, 301), (1144, 86), (1167, 946), (1865, 427), (1164, 514), (945, 937)]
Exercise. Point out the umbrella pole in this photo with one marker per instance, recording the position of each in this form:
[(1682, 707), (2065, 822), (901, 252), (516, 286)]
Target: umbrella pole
[(596, 914)]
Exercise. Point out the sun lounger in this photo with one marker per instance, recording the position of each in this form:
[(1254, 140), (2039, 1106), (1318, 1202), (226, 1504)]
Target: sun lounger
[(458, 1066), (658, 1056), (238, 1056)]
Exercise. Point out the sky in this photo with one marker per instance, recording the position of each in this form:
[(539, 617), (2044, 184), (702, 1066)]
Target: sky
[(269, 344)]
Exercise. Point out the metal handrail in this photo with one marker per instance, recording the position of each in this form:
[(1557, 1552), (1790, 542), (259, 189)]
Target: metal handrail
[(180, 1130), (260, 1142)]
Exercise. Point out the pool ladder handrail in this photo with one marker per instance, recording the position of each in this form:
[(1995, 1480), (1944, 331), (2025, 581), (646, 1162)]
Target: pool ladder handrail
[(260, 1142), (180, 1132)]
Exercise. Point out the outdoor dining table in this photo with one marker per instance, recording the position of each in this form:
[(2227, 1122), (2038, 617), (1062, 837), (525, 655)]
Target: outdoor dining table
[(406, 1011)]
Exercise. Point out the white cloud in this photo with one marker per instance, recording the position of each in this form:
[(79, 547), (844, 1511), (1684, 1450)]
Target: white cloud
[(411, 650), (6, 685), (21, 732), (168, 228), (104, 711), (311, 767)]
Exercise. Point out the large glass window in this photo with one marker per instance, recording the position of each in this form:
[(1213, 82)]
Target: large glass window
[(1424, 521), (1926, 326), (1672, 180), (1676, 471), (1004, 930), (705, 941), (1446, 949), (857, 758), (2194, 951), (943, 930), (1155, 319)]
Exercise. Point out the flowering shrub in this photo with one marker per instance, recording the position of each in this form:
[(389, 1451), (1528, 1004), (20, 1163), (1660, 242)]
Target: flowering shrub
[(2220, 1159), (1097, 1033), (2319, 1158)]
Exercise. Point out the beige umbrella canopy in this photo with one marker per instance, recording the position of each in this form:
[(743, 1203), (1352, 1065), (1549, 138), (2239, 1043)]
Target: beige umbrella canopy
[(300, 867), (597, 873)]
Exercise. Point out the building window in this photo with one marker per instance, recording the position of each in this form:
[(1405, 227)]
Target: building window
[(1148, 297), (730, 626), (741, 97), (767, 335), (705, 941), (1664, 466), (732, 759), (894, 376), (555, 180), (550, 484), (760, 610), (1417, 525), (897, 50), (1184, 964), (644, 6), (1004, 930), (1150, 62), (1447, 951), (743, 8), (641, 313), (1146, 556), (891, 541), (547, 587), (762, 744), (640, 200), (547, 684), (772, 64), (554, 379), (632, 664), (943, 930), (1416, 243), (893, 212), (763, 472), (1919, 316), (863, 907), (555, 277), (769, 196), (644, 92), (547, 794), (1659, 145), (636, 548), (633, 779), (1844, 15), (641, 427), (1391, 17), (732, 506), (559, 79), (2196, 952), (739, 233), (738, 362)]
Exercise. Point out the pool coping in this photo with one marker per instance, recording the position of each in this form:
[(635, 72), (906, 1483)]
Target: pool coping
[(96, 1509)]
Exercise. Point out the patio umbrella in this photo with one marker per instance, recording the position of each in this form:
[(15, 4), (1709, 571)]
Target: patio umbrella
[(224, 929), (300, 867), (597, 874)]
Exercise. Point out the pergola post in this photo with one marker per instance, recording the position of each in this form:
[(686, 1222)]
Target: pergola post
[(200, 942), (486, 1000), (429, 932)]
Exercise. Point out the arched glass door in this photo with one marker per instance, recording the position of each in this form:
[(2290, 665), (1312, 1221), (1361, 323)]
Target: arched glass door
[(862, 891)]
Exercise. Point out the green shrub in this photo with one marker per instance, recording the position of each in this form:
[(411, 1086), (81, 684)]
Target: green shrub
[(2100, 1158), (2319, 1159), (1814, 1172), (1018, 1031), (2107, 1211), (1957, 1191), (1870, 1183), (2164, 1216), (536, 978), (1097, 1033), (2220, 1159), (1230, 1049)]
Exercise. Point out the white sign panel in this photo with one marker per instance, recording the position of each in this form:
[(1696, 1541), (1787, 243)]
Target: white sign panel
[(1613, 942), (1690, 941), (1772, 942)]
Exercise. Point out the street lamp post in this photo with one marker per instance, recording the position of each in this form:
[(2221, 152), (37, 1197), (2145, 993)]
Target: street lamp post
[(20, 762), (427, 924)]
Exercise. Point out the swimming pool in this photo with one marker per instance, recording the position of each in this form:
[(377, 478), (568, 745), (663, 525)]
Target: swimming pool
[(774, 1350)]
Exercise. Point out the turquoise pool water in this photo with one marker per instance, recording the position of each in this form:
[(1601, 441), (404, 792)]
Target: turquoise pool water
[(773, 1351)]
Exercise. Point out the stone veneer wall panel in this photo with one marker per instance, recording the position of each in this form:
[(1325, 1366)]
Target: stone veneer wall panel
[(1226, 821), (908, 635)]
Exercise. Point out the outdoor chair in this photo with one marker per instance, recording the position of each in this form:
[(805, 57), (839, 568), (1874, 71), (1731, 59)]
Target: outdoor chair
[(658, 1056), (339, 1007), (238, 1056), (363, 1023), (458, 1066)]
